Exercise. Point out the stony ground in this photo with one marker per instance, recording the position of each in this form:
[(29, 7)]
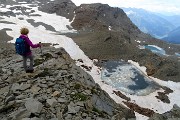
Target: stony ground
[(57, 90)]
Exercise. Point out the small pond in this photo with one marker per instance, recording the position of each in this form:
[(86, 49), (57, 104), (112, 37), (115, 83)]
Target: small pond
[(156, 49), (127, 78)]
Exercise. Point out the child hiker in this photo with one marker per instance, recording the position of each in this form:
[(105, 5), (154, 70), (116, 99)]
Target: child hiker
[(28, 54)]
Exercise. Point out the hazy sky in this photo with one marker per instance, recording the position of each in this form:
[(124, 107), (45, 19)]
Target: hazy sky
[(161, 6)]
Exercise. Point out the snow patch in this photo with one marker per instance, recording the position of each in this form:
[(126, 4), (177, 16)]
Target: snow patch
[(141, 47), (23, 2), (73, 18), (110, 27), (138, 41), (140, 117), (53, 20), (8, 6), (130, 12), (4, 10)]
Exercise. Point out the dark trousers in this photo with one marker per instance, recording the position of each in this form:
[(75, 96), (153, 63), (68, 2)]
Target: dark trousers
[(26, 67)]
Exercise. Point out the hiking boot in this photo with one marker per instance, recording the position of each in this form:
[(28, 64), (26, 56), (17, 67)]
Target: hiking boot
[(30, 71)]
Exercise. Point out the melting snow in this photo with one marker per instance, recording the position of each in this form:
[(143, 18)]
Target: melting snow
[(23, 2), (130, 12), (110, 27), (141, 47), (4, 10), (138, 41)]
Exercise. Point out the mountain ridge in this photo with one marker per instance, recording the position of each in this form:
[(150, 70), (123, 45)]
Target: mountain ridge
[(173, 36), (149, 22)]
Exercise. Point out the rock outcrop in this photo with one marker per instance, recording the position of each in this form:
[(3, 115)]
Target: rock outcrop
[(63, 8)]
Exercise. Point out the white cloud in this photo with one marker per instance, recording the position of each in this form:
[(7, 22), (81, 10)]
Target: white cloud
[(162, 6)]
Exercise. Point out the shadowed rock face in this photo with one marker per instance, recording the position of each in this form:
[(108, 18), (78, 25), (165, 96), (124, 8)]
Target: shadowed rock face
[(63, 8), (101, 16), (4, 37)]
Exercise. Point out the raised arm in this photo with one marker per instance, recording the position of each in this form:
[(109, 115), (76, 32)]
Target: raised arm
[(31, 44)]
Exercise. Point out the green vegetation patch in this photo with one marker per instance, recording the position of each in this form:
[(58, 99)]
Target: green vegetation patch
[(77, 86), (44, 73), (101, 113), (38, 62), (47, 56)]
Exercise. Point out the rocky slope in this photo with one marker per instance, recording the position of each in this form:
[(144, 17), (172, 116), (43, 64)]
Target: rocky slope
[(61, 7), (57, 90)]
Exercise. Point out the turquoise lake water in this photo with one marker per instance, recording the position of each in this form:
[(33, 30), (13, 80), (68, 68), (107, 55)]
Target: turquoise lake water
[(155, 50)]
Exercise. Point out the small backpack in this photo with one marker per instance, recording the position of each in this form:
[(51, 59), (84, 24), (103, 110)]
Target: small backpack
[(20, 46)]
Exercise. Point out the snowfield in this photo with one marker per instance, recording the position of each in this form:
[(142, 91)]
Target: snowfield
[(42, 34)]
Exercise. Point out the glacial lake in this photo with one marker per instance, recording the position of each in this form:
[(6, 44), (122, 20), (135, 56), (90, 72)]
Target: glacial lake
[(128, 78), (156, 49)]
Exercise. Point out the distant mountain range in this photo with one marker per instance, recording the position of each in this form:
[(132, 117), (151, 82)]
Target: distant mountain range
[(174, 36), (174, 19), (159, 26)]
